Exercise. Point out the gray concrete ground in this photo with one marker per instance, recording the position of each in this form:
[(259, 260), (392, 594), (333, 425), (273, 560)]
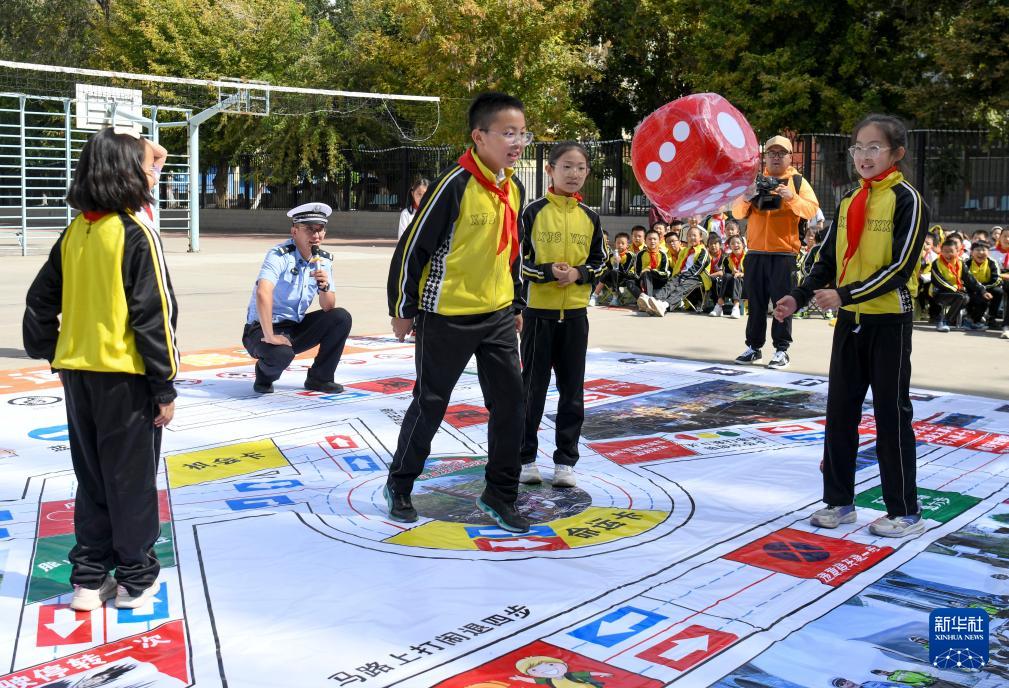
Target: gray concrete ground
[(213, 289)]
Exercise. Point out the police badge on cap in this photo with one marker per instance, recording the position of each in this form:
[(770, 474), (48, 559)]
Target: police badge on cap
[(310, 214)]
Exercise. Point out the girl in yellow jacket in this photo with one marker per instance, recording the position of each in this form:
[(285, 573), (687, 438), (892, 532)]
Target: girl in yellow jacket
[(870, 254), (562, 256)]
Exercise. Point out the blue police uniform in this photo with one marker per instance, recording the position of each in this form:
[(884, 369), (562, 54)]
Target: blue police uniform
[(294, 290)]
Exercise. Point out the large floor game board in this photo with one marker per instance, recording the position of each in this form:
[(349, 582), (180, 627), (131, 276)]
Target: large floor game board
[(683, 557)]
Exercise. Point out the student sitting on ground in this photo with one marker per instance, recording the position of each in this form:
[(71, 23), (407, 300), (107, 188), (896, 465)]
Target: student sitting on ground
[(986, 272), (651, 272), (637, 239), (951, 284), (923, 296), (691, 264), (612, 288), (713, 275), (673, 246), (732, 278)]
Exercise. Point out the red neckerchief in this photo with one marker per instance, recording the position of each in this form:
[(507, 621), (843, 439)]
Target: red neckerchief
[(94, 215), (510, 229), (577, 196), (716, 259), (856, 218), (639, 247), (736, 263), (1005, 260), (653, 259), (956, 273)]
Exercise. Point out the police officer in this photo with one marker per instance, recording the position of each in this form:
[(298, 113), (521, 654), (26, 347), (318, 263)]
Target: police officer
[(277, 327)]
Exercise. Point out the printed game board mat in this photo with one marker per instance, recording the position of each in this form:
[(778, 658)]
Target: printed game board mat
[(684, 556)]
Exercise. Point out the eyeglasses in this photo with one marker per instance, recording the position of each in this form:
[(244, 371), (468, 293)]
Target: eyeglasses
[(777, 154), (512, 137), (869, 153)]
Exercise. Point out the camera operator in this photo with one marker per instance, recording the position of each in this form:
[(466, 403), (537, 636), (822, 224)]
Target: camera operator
[(774, 205)]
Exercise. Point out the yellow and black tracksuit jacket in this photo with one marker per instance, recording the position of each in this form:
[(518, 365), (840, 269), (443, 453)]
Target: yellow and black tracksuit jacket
[(559, 229), (805, 261), (944, 280), (447, 260), (698, 269), (622, 265), (922, 275), (987, 273), (728, 268), (642, 264), (107, 277), (875, 285)]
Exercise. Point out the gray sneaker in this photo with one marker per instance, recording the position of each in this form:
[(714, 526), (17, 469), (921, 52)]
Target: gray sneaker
[(897, 526), (564, 476), (833, 516), (88, 599), (530, 475)]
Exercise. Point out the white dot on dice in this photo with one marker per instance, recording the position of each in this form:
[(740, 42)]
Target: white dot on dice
[(681, 131), (653, 171), (667, 151), (731, 130)]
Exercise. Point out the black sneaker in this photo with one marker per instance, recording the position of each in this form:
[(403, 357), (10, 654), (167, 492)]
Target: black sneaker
[(400, 506), (751, 355), (506, 515), (321, 386), (262, 387)]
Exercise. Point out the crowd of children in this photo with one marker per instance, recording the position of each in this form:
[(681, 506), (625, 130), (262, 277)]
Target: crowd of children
[(698, 266)]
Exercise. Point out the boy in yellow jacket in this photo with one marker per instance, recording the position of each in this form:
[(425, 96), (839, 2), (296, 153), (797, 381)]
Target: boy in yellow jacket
[(456, 270)]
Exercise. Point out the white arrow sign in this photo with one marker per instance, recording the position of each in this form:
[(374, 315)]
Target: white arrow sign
[(687, 647), (64, 622), (625, 624), (518, 544)]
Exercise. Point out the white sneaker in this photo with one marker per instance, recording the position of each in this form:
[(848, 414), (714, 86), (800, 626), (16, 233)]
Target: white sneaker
[(1005, 332), (735, 312), (564, 476), (86, 599), (643, 303), (779, 360), (833, 516), (716, 312), (661, 307), (615, 301), (592, 300), (530, 475), (898, 526), (124, 600)]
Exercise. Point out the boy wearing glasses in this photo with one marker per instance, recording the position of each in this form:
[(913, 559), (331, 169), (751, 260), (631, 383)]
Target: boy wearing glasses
[(774, 242), (456, 270), (278, 326)]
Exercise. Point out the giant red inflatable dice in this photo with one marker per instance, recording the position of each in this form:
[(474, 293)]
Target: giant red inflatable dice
[(694, 154)]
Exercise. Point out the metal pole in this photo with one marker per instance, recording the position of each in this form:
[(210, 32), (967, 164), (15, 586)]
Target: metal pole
[(67, 152), (194, 181), (539, 169), (155, 135), (24, 181)]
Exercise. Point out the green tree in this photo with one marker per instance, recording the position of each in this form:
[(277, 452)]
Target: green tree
[(457, 48)]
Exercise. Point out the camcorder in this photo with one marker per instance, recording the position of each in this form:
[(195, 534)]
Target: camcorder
[(766, 199)]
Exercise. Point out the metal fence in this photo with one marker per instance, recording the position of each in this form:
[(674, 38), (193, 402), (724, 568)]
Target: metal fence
[(963, 175), (40, 144)]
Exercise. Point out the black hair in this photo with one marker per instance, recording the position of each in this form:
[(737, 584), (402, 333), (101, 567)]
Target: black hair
[(676, 223), (660, 222), (485, 107), (635, 228), (980, 243), (651, 231), (895, 132), (110, 174), (933, 236), (950, 241), (671, 234), (980, 232), (622, 234), (417, 183), (564, 147)]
